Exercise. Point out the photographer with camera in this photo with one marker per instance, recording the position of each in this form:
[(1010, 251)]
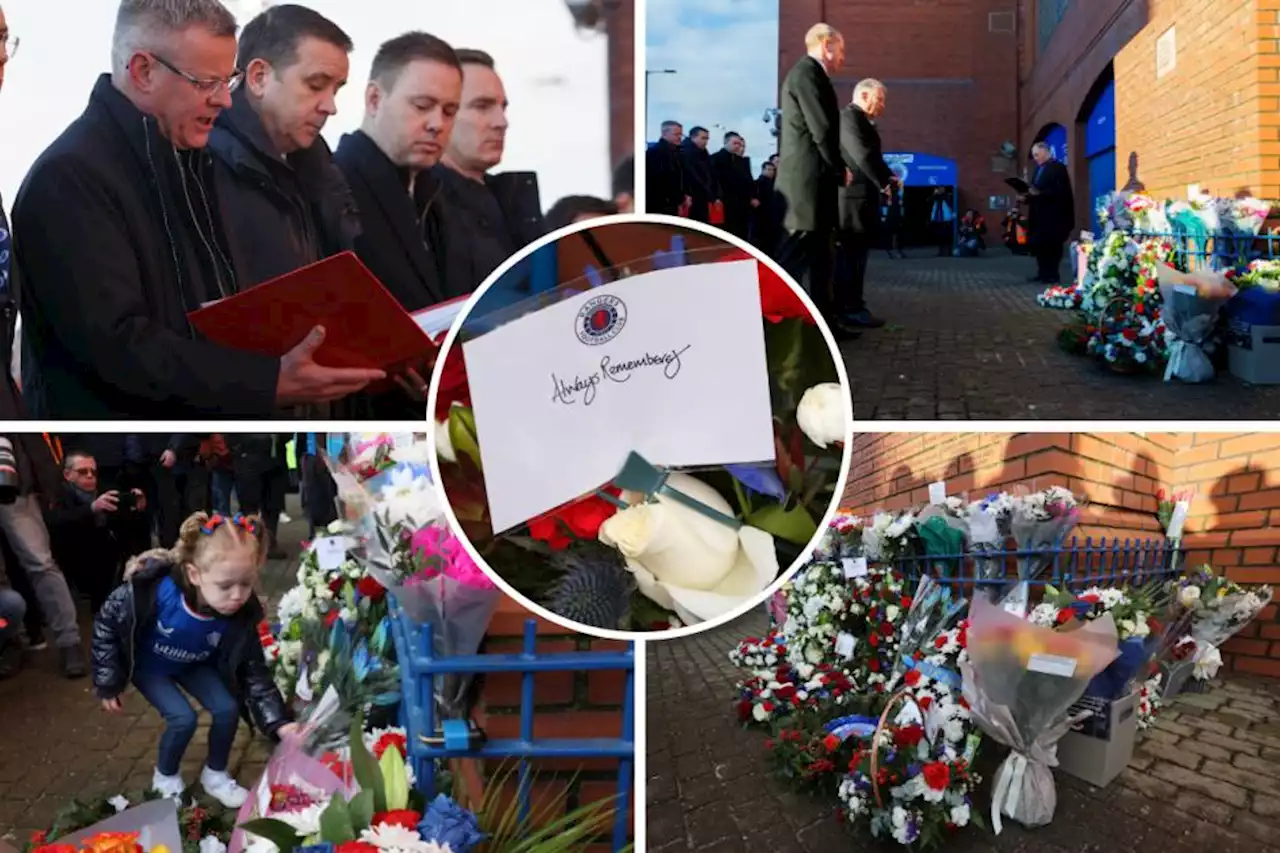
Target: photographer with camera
[(86, 525)]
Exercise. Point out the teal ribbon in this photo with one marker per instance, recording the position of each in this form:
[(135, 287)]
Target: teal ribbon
[(640, 475), (936, 673)]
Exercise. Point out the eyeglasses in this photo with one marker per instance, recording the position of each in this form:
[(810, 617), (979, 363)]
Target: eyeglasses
[(207, 86), (86, 472), (9, 45)]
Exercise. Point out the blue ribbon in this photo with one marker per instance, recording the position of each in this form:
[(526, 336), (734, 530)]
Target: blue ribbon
[(936, 673), (846, 727)]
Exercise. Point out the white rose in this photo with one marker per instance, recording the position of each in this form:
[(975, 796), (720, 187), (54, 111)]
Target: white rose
[(211, 844), (759, 713), (960, 815), (824, 413), (444, 444), (891, 612), (1207, 663), (1189, 597), (687, 562)]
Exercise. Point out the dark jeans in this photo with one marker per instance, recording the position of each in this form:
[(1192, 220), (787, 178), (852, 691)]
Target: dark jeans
[(262, 492), (809, 258), (221, 484), (206, 687), (855, 249), (943, 233), (1048, 262), (178, 495)]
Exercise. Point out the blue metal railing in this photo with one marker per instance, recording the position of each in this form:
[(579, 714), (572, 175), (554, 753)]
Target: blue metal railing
[(1071, 566), (419, 665), (1217, 250)]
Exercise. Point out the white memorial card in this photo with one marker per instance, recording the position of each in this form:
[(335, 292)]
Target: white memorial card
[(855, 567), (669, 364), (1178, 519), (331, 552), (938, 493), (846, 644)]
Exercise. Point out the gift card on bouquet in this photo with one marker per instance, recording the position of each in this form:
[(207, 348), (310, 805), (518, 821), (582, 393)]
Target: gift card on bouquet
[(155, 822), (668, 364)]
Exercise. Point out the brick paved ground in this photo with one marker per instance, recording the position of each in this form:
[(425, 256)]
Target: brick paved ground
[(973, 344), (56, 743), (1207, 778)]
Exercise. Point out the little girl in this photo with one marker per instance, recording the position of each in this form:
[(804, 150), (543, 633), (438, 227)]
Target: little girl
[(188, 618)]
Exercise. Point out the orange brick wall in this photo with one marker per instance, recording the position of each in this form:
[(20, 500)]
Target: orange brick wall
[(568, 704), (1235, 517), (622, 70)]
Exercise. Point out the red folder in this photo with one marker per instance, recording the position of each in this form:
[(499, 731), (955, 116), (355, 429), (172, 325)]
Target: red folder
[(365, 326)]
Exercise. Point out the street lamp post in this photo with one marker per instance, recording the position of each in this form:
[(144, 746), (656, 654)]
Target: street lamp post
[(647, 75)]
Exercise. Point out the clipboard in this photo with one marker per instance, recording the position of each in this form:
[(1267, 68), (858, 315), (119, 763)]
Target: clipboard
[(365, 326), (1018, 184)]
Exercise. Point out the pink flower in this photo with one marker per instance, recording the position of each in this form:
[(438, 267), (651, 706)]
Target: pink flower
[(443, 553)]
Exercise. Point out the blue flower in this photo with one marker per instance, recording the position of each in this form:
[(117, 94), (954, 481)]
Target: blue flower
[(446, 822), (913, 770), (323, 847)]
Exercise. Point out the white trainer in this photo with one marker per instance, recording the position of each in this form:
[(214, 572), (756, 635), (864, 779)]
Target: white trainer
[(219, 785), (168, 786)]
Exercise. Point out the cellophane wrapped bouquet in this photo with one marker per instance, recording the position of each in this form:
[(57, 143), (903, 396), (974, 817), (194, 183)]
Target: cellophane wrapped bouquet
[(1218, 609)]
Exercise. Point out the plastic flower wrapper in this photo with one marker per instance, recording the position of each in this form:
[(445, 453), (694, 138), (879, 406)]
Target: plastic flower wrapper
[(1219, 607), (1020, 681), (296, 785), (942, 535), (935, 608), (1039, 521), (149, 825), (985, 525), (1190, 313)]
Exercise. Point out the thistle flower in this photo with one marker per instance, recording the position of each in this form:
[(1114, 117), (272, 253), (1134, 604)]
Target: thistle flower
[(595, 592)]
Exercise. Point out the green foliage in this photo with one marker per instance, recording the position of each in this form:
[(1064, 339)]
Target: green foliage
[(548, 827)]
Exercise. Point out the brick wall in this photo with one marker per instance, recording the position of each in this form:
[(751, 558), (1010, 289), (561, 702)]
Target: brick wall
[(568, 705), (1212, 121), (952, 83), (1235, 517), (622, 93)]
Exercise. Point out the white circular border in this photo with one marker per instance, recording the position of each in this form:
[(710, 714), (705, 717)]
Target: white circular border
[(434, 460)]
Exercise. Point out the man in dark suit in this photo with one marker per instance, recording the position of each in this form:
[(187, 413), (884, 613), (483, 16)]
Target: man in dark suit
[(1051, 206), (732, 168), (868, 179), (699, 178), (810, 168), (664, 178)]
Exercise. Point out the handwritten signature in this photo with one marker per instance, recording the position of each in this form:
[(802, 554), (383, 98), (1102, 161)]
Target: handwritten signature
[(583, 390)]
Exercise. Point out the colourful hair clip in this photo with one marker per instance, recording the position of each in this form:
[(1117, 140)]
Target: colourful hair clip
[(245, 522), (240, 520), (215, 521)]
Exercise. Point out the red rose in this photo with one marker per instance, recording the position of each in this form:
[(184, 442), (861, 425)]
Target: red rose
[(1153, 624), (874, 664), (906, 602), (335, 585), (912, 677), (925, 702), (937, 775), (1064, 616), (548, 529), (963, 637), (387, 741), (370, 588), (887, 629), (357, 847), (778, 301), (874, 639), (940, 642), (908, 736), (1088, 599), (453, 384), (330, 618), (407, 818), (584, 517), (831, 742), (744, 711), (39, 836)]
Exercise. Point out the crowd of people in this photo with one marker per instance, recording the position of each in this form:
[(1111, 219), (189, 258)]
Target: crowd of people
[(198, 170), (78, 507), (829, 197)]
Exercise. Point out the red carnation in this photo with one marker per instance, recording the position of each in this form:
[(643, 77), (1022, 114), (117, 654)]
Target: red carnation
[(908, 736), (744, 711), (357, 847), (407, 818), (1088, 599), (912, 677), (937, 775), (874, 664), (39, 836), (886, 628), (330, 618), (831, 742), (925, 702), (1064, 616), (906, 602), (874, 639), (370, 588), (335, 585), (387, 741), (549, 530)]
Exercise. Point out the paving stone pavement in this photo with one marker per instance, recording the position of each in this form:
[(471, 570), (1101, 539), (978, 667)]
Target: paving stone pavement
[(57, 744), (1207, 777), (967, 340)]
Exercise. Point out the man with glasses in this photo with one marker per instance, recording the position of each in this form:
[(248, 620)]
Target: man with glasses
[(121, 236)]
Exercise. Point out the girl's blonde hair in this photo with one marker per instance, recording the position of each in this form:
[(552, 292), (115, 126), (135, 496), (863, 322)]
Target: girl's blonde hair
[(204, 536)]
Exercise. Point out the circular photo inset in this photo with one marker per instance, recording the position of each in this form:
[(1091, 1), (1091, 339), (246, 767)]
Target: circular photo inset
[(640, 426)]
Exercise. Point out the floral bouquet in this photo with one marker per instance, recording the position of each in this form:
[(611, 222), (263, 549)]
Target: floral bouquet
[(1039, 521), (1166, 503), (203, 830), (941, 532), (889, 538), (623, 558), (1020, 681), (1191, 305), (986, 528), (1262, 274), (930, 612), (1216, 609), (148, 828)]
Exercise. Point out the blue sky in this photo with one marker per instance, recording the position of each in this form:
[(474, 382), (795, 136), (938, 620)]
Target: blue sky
[(725, 53)]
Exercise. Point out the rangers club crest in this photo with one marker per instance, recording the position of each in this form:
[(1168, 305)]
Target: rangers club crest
[(600, 319), (214, 637)]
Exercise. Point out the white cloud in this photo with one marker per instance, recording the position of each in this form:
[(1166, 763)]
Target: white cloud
[(557, 78), (726, 56)]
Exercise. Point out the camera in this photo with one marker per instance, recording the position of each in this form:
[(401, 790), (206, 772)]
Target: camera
[(126, 501), (8, 472)]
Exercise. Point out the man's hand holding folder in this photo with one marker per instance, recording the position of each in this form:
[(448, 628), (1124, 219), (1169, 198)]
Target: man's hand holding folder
[(303, 381)]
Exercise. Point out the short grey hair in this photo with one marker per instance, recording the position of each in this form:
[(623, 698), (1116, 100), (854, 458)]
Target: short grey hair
[(141, 23), (868, 86), (1041, 146)]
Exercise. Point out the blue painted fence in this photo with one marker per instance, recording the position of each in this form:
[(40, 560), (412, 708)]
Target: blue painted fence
[(1218, 250), (419, 665), (1071, 566)]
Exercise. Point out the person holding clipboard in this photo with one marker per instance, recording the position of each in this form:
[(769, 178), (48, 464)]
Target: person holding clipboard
[(1051, 213)]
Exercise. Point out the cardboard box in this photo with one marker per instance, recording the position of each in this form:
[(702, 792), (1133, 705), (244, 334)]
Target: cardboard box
[(1253, 352), (1100, 748)]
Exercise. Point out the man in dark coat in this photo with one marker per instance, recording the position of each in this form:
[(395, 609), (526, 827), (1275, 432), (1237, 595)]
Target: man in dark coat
[(766, 225), (664, 179), (287, 205), (1052, 214), (699, 178), (491, 216), (732, 170), (119, 237), (810, 168), (869, 178)]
